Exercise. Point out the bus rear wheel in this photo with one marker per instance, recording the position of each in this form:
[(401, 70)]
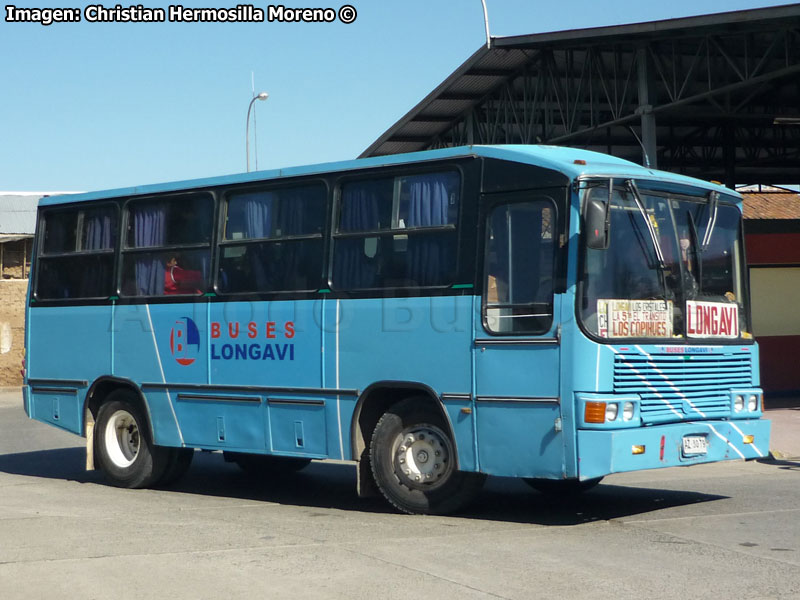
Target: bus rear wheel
[(414, 463), (123, 446)]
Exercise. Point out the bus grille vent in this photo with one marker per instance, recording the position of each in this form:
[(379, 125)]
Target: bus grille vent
[(676, 387)]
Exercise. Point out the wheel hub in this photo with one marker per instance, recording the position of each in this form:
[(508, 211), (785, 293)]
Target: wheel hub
[(422, 456), (122, 439)]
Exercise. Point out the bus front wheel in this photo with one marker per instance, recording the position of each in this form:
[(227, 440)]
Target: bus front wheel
[(414, 463), (123, 446)]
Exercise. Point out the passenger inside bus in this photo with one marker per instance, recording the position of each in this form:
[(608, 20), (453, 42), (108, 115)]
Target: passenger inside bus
[(178, 280)]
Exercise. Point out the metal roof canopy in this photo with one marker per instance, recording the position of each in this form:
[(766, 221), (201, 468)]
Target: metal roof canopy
[(714, 97), (18, 214)]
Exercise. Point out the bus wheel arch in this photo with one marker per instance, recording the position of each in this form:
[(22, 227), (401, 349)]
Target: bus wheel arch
[(413, 461), (100, 390), (373, 403), (119, 403)]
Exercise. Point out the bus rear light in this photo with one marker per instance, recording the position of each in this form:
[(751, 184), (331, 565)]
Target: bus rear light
[(637, 449), (595, 412)]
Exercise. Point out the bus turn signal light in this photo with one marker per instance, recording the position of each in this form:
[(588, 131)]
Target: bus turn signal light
[(595, 412), (748, 439), (638, 449)]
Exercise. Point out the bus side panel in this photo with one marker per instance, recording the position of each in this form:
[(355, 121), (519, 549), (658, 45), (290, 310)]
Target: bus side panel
[(275, 344), (224, 422), (424, 340), (519, 439), (59, 407), (271, 345), (161, 405), (68, 346), (342, 407), (159, 344)]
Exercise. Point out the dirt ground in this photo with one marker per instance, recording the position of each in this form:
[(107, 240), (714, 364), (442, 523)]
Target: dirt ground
[(12, 316)]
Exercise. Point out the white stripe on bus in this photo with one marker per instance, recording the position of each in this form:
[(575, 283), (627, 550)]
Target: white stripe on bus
[(669, 383), (647, 384), (722, 437), (732, 424), (163, 378)]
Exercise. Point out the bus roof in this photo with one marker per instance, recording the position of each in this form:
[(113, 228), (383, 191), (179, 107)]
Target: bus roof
[(573, 162)]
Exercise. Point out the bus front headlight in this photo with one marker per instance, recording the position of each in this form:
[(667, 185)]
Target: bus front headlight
[(628, 410), (738, 403)]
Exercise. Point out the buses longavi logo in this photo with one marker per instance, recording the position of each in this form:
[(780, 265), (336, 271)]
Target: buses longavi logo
[(184, 341)]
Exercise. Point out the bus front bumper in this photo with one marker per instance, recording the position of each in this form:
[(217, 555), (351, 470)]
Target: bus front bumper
[(603, 452)]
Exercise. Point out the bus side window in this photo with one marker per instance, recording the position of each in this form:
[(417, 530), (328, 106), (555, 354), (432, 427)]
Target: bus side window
[(397, 232), (273, 240), (519, 267), (77, 254), (160, 230)]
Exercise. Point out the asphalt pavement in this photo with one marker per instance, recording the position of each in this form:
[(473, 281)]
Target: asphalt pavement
[(730, 529), (784, 412)]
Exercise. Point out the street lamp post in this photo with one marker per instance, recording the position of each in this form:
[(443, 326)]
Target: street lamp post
[(261, 96)]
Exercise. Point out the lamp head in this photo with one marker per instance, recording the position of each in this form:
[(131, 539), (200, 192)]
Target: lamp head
[(263, 96)]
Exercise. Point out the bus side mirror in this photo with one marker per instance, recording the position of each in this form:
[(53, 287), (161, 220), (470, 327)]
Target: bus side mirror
[(597, 224)]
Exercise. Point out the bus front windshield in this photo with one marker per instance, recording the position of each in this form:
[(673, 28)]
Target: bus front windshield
[(674, 268)]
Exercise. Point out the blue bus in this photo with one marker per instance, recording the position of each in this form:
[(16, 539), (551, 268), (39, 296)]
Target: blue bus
[(538, 312)]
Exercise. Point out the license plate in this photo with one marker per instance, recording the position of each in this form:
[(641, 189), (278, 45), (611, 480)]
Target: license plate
[(695, 444)]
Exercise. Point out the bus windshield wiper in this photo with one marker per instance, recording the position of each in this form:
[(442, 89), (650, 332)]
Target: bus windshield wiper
[(662, 271), (651, 230), (697, 251), (713, 205)]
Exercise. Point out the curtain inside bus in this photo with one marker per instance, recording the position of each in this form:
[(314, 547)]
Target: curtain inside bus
[(150, 227), (99, 234), (395, 249), (428, 206), (354, 268)]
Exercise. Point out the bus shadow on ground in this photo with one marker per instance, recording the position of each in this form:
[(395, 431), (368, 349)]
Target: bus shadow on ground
[(784, 464), (333, 486), (63, 463)]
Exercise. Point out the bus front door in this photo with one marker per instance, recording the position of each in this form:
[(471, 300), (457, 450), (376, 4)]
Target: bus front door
[(517, 346)]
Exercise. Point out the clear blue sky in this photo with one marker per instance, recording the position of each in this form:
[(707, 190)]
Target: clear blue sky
[(92, 106)]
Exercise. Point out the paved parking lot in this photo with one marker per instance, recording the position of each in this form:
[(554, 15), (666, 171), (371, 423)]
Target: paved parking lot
[(731, 530)]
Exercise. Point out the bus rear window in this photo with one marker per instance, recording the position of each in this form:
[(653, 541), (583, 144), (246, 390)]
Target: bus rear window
[(77, 254)]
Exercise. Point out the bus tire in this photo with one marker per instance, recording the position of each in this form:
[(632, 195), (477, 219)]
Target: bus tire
[(562, 487), (123, 445), (263, 465), (414, 463), (179, 461)]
